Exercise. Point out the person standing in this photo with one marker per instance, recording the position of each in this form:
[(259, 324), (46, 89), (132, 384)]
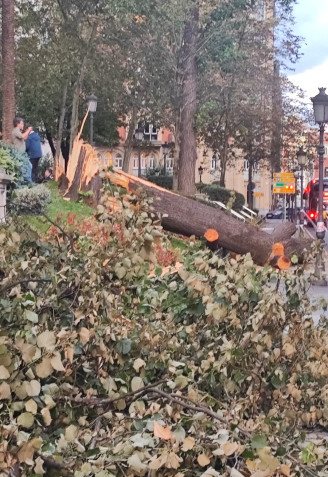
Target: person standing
[(18, 136), (34, 151)]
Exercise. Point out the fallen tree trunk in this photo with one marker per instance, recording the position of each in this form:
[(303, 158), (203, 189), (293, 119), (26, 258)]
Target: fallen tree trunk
[(188, 217)]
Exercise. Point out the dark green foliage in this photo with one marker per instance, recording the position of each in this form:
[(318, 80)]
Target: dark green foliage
[(16, 163), (31, 200), (217, 193), (162, 181)]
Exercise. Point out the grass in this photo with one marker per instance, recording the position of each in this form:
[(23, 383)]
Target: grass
[(58, 204)]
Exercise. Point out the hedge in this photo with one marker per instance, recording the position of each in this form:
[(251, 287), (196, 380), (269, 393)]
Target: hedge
[(162, 181), (217, 193)]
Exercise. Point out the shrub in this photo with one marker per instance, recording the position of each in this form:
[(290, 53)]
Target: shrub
[(217, 193), (162, 181), (46, 162), (16, 163), (31, 200)]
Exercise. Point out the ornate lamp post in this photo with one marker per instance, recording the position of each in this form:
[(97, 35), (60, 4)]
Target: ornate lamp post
[(200, 172), (166, 149), (301, 158), (92, 106), (320, 107), (139, 135)]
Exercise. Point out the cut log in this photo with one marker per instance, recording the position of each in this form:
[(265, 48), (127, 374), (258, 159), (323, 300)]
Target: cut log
[(284, 231), (188, 217)]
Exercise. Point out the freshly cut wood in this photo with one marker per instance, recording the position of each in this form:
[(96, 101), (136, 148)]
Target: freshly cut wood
[(187, 216), (278, 248), (283, 263), (211, 235)]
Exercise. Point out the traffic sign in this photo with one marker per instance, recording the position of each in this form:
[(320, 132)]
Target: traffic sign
[(284, 189)]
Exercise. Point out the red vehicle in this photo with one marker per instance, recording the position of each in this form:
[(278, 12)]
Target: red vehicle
[(311, 198)]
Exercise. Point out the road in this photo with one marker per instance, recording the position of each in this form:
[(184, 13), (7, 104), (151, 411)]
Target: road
[(316, 293)]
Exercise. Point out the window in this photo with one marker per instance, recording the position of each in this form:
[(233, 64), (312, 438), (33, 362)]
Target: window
[(150, 132), (214, 164), (118, 164), (135, 162), (151, 163), (326, 171), (169, 163)]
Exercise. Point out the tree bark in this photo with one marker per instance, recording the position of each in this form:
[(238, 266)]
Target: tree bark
[(77, 90), (129, 140), (8, 68), (187, 216), (51, 142), (188, 146), (61, 120)]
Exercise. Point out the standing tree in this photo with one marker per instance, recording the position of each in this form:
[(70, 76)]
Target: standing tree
[(8, 68)]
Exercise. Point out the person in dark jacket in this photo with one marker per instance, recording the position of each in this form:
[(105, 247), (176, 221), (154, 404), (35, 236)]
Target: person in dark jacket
[(34, 151)]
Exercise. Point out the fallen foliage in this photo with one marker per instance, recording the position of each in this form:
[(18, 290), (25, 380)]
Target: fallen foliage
[(112, 366)]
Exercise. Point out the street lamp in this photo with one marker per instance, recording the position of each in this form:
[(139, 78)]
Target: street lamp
[(166, 149), (92, 107), (200, 172), (139, 135), (301, 158), (320, 107)]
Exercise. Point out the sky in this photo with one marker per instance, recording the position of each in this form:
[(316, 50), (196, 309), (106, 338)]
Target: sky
[(311, 23)]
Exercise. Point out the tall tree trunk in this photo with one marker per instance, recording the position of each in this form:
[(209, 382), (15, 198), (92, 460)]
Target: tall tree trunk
[(61, 120), (177, 136), (250, 185), (277, 113), (188, 146), (129, 140), (224, 158), (8, 68), (77, 90), (51, 142)]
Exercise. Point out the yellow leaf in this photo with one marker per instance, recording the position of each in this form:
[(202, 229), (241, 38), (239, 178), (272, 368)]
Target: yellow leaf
[(38, 469), (5, 392), (56, 363), (44, 369), (69, 353), (47, 340), (188, 444), (26, 453), (71, 433), (32, 388), (267, 460), (139, 363), (28, 352), (4, 373), (229, 448), (173, 461), (162, 432), (26, 419), (285, 470), (136, 384), (46, 416), (289, 349), (84, 335), (31, 406), (203, 460)]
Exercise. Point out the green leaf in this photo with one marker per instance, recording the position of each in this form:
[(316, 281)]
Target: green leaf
[(124, 346), (31, 316), (294, 259), (248, 454), (259, 442), (277, 382)]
